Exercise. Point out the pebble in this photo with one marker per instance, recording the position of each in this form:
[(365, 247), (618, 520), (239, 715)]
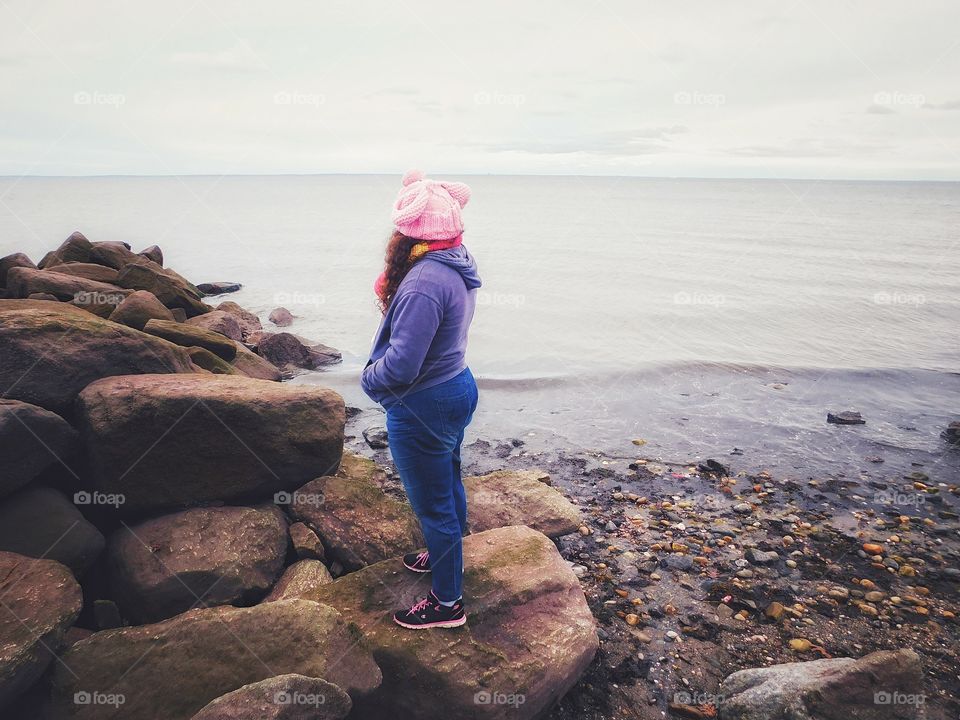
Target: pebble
[(800, 644), (874, 596), (774, 611), (671, 635), (742, 508), (632, 619)]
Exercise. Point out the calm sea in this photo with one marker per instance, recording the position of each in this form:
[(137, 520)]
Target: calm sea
[(698, 315)]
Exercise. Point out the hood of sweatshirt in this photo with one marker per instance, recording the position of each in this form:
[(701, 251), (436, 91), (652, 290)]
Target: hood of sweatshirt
[(460, 259)]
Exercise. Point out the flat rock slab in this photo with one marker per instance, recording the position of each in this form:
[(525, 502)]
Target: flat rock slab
[(196, 558), (830, 689), (299, 579), (285, 697), (40, 602), (514, 497), (207, 437), (252, 365), (31, 439), (173, 669), (42, 522), (191, 335), (24, 281), (48, 357), (358, 523), (529, 632)]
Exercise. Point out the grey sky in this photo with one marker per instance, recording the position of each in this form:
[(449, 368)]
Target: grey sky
[(812, 88)]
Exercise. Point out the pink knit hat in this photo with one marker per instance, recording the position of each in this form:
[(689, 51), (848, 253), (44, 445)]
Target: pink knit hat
[(430, 209)]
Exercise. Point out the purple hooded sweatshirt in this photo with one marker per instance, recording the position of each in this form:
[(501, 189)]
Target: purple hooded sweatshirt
[(422, 340)]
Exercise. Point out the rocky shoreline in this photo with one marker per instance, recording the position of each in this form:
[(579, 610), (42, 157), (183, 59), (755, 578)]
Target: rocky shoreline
[(185, 535)]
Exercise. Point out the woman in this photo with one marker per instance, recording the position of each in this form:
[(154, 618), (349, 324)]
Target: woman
[(417, 371)]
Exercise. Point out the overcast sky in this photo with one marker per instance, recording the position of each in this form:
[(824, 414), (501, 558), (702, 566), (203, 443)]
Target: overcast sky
[(814, 88)]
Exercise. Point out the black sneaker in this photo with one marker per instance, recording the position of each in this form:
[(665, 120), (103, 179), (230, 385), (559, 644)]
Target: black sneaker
[(429, 613), (417, 562)]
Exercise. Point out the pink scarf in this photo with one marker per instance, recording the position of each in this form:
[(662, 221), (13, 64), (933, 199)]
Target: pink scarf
[(416, 252)]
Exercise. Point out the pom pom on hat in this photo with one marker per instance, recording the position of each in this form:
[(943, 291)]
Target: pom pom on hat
[(413, 176)]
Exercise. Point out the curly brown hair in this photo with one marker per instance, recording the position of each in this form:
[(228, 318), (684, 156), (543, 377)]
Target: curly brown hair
[(398, 264)]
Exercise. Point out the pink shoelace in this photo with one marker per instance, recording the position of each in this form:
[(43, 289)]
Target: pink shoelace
[(419, 606), (422, 557)]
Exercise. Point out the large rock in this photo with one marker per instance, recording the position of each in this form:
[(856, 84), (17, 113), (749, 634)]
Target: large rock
[(249, 323), (196, 558), (153, 253), (41, 522), (357, 521), (284, 697), (299, 579), (190, 336), (11, 261), (219, 321), (281, 317), (24, 281), (210, 437), (75, 248), (287, 351), (219, 288), (138, 308), (113, 255), (40, 601), (31, 439), (529, 632), (206, 360), (90, 271), (515, 497), (878, 686), (169, 287), (47, 358), (173, 669), (252, 365)]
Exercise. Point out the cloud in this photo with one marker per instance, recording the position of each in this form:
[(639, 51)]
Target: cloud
[(239, 58), (949, 105)]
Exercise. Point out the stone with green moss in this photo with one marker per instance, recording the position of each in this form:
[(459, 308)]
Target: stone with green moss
[(512, 497)]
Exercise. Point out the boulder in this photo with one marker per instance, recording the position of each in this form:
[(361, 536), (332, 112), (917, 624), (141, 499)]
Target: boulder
[(249, 323), (113, 255), (31, 439), (306, 544), (11, 261), (878, 686), (196, 558), (218, 288), (206, 360), (357, 521), (41, 522), (284, 697), (252, 365), (281, 317), (376, 437), (287, 351), (139, 307), (40, 602), (24, 281), (210, 437), (75, 248), (90, 271), (190, 336), (528, 638), (170, 289), (47, 358), (220, 322), (153, 253), (301, 577), (173, 669), (514, 497)]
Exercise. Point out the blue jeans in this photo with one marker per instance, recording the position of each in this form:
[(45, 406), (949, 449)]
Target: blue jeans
[(425, 432)]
